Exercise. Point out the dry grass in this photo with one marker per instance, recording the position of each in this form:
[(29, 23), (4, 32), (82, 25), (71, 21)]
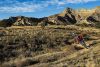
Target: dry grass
[(27, 45)]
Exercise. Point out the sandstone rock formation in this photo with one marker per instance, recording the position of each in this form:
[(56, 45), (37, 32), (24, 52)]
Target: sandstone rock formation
[(21, 21), (95, 16), (64, 18)]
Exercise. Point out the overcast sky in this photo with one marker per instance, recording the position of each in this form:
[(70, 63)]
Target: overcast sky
[(41, 8)]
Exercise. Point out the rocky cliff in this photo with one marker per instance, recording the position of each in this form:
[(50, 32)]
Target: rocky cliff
[(21, 21), (95, 17), (64, 18)]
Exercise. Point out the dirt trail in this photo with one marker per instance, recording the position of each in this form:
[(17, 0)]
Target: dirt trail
[(83, 58)]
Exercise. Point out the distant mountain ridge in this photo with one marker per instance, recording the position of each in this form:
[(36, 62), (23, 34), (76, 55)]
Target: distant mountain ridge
[(66, 17)]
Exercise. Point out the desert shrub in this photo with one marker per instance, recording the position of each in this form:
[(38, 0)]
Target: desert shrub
[(2, 33), (51, 43), (3, 24), (87, 37), (82, 24), (1, 46), (37, 41), (97, 24), (66, 41), (6, 55), (58, 40)]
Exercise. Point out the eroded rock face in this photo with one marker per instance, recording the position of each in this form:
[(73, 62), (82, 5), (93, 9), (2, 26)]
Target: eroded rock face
[(21, 21), (95, 17), (64, 18), (26, 21)]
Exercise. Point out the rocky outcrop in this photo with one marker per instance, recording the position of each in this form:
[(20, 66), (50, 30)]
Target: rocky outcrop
[(27, 21), (64, 18), (95, 17), (21, 21)]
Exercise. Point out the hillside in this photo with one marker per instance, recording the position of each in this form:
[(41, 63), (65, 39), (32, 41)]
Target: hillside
[(29, 46)]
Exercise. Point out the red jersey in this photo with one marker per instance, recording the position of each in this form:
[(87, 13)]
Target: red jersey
[(80, 37)]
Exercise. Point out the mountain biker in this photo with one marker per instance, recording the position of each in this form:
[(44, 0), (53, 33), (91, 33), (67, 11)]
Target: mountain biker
[(79, 39)]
